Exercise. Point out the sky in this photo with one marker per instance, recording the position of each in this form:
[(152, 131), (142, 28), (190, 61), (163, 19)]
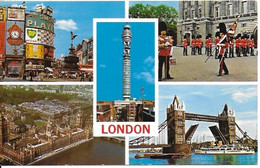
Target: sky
[(209, 100), (110, 60), (76, 17), (174, 4)]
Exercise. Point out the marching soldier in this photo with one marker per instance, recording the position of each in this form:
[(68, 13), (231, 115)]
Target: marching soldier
[(185, 45), (216, 42), (252, 45), (193, 45), (231, 48), (165, 44), (222, 47), (200, 45), (207, 45), (243, 45), (238, 45)]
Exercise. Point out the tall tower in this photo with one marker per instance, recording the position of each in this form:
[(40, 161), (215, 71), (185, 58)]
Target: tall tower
[(227, 124), (126, 37)]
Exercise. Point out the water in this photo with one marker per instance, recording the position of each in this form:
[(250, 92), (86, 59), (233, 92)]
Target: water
[(95, 152), (197, 160)]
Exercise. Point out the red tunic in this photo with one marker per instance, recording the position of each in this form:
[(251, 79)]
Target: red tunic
[(238, 43), (185, 43), (166, 50)]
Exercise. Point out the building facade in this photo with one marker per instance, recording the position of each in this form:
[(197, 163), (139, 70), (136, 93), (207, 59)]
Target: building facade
[(27, 39), (203, 17)]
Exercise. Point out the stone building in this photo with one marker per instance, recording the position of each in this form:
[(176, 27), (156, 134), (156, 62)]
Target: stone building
[(203, 17)]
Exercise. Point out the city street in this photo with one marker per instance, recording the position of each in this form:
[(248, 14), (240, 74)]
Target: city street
[(13, 79), (194, 68)]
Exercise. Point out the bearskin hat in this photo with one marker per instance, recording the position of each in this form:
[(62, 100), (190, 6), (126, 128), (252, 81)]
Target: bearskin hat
[(217, 34), (222, 28), (162, 27)]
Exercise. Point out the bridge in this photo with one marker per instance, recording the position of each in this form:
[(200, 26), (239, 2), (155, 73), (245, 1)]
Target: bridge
[(178, 140)]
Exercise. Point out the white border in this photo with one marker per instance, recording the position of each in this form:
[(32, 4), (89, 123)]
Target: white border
[(97, 126)]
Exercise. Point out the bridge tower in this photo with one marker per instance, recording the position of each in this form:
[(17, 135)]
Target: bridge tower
[(176, 128), (227, 124)]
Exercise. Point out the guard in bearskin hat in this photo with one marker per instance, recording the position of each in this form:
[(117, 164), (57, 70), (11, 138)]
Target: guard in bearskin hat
[(252, 45), (231, 47), (165, 44), (238, 45), (193, 45), (208, 44), (185, 46), (217, 36), (222, 47)]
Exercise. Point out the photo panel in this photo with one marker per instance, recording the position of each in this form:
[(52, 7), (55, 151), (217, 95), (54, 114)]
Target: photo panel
[(125, 79), (202, 125)]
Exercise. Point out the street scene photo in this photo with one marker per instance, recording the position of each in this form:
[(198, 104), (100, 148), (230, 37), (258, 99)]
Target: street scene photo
[(52, 125), (125, 80), (203, 40), (50, 41), (202, 125)]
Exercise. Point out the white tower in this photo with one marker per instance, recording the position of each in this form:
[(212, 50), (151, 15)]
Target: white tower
[(126, 36)]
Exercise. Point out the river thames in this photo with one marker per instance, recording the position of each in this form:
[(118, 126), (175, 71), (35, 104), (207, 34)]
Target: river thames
[(197, 160), (97, 151)]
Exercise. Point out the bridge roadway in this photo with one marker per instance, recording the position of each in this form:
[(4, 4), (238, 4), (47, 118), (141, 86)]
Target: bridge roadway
[(188, 116)]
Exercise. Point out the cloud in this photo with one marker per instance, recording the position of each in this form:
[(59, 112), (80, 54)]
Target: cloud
[(43, 6), (197, 93), (249, 126), (241, 95), (147, 76), (149, 60), (102, 66), (242, 115), (67, 25)]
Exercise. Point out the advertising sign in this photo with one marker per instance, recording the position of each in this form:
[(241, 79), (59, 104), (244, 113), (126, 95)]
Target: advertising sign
[(16, 14), (2, 40), (31, 35), (14, 67), (34, 51), (2, 14), (49, 52), (38, 36), (40, 21), (14, 38)]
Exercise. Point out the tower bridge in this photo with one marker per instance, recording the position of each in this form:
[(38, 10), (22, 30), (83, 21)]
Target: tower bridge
[(178, 141)]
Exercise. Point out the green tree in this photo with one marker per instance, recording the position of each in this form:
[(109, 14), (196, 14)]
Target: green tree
[(164, 13)]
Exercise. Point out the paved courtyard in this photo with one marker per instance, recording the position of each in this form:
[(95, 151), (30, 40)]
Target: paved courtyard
[(194, 68)]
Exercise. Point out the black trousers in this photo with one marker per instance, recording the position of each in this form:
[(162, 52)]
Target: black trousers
[(222, 65), (185, 50), (238, 51), (162, 60)]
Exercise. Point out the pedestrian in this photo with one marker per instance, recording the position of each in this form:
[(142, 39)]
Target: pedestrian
[(3, 75), (222, 47), (165, 44), (82, 76), (185, 45), (31, 75)]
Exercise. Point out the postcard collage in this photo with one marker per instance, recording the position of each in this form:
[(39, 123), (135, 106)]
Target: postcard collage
[(129, 83)]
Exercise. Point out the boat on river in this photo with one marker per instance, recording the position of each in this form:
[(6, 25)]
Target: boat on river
[(225, 150)]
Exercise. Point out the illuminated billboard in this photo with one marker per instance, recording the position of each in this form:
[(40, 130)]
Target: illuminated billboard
[(34, 51), (2, 40), (2, 14), (40, 21), (38, 36), (14, 38), (16, 14)]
